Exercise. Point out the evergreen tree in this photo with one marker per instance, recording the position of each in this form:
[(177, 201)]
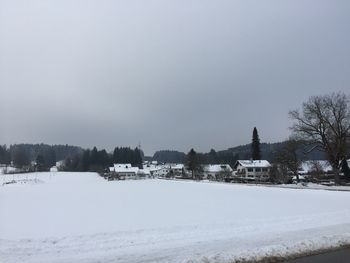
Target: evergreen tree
[(85, 161), (235, 159), (20, 157), (49, 157), (40, 163), (5, 156), (192, 162), (138, 158), (255, 150), (75, 163), (116, 155), (102, 158), (94, 156), (213, 158)]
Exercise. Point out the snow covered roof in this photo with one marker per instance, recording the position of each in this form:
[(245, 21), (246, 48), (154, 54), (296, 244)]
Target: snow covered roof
[(122, 165), (309, 166), (124, 168), (176, 166), (215, 168), (144, 171), (253, 163)]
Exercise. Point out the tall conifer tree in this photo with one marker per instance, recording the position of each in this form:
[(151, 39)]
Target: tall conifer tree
[(256, 155)]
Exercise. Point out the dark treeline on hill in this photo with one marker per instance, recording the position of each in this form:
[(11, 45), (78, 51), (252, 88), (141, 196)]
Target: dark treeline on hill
[(41, 157), (167, 156), (242, 152), (127, 155), (24, 154), (99, 160), (269, 150)]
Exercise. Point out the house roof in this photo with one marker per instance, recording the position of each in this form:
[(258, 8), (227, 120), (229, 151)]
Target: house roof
[(122, 165), (253, 163), (124, 168), (308, 166), (176, 166)]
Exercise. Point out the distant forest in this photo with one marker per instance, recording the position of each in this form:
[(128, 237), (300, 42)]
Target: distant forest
[(41, 157), (169, 156), (78, 159), (24, 154)]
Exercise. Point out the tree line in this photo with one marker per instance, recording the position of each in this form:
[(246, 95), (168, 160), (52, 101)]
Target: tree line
[(99, 160), (41, 157), (24, 155)]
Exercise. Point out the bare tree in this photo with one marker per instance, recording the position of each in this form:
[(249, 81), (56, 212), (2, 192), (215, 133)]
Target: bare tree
[(317, 170), (324, 123), (288, 157), (279, 174)]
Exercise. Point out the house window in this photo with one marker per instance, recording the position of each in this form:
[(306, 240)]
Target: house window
[(257, 169), (264, 169), (250, 169)]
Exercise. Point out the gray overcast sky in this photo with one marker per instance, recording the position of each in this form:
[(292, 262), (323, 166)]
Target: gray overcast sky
[(169, 74)]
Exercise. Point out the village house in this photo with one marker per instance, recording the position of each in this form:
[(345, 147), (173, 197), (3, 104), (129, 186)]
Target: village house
[(176, 170), (123, 171), (315, 166), (161, 171), (252, 170), (168, 170), (217, 171)]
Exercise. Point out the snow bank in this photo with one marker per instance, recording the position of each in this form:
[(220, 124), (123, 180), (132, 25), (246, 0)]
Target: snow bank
[(79, 217)]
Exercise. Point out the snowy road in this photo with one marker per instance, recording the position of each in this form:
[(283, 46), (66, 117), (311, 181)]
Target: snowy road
[(339, 256), (79, 217)]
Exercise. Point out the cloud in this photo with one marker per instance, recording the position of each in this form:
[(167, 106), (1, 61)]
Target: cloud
[(168, 74)]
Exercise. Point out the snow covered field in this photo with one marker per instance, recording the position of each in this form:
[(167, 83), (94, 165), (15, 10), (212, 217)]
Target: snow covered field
[(80, 217)]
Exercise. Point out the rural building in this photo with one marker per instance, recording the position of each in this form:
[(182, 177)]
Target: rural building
[(123, 171), (252, 170), (217, 171)]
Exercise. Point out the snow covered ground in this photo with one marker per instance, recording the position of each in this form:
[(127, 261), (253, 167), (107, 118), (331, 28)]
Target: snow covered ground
[(80, 217)]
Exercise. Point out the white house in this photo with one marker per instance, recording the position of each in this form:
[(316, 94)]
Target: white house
[(54, 169), (216, 171), (167, 169), (176, 169), (320, 166), (152, 168), (124, 171), (251, 170), (144, 174), (161, 171)]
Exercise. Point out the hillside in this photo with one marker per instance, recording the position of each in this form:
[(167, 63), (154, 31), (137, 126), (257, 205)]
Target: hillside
[(268, 150)]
